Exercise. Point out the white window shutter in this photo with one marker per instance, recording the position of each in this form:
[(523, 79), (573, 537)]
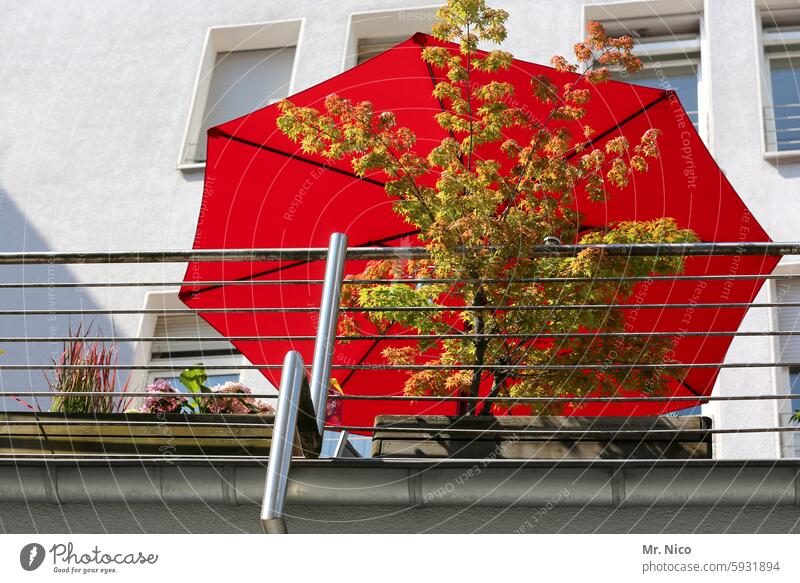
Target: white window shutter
[(242, 82), (372, 47), (186, 325)]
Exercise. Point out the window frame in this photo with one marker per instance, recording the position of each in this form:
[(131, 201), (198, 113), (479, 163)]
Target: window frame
[(769, 127), (696, 62), (770, 35), (790, 443), (356, 19), (167, 298), (688, 51), (781, 375), (230, 38)]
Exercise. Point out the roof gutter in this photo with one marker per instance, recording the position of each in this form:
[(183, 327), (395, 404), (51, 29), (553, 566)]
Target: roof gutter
[(406, 483)]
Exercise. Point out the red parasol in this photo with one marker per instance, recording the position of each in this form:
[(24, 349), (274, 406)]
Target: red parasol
[(261, 191)]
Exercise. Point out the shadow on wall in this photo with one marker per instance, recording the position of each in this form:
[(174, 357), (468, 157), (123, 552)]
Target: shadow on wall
[(19, 235), (788, 169)]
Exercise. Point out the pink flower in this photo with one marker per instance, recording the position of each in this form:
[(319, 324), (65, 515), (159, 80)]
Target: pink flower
[(236, 405), (160, 403)]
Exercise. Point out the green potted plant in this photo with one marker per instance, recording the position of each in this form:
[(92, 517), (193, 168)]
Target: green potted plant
[(90, 413)]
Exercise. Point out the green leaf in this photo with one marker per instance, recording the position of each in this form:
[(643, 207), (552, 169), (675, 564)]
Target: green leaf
[(194, 379)]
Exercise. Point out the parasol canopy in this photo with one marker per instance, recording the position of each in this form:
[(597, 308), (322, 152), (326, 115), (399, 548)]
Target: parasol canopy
[(261, 191)]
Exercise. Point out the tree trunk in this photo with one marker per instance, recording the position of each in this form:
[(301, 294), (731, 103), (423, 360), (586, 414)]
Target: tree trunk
[(499, 383), (480, 354)]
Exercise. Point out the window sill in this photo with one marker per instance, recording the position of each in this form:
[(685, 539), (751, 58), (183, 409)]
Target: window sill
[(191, 166), (773, 156)]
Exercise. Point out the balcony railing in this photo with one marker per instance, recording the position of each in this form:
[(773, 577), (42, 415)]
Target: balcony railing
[(782, 127), (301, 405)]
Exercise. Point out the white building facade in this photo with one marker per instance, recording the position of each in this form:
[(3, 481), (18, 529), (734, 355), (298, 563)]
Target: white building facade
[(104, 104)]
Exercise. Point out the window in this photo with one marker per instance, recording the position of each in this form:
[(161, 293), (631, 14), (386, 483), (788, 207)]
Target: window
[(177, 344), (372, 47), (371, 33), (243, 68), (788, 291), (668, 44), (781, 37), (167, 355), (791, 441), (680, 75)]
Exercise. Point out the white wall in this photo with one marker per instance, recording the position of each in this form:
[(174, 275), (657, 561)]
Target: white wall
[(769, 188)]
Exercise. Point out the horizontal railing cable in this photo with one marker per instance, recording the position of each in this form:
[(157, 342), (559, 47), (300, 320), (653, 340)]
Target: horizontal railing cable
[(106, 458), (499, 308), (502, 367), (562, 433), (261, 460), (410, 281), (116, 284), (384, 253), (605, 399), (406, 429), (126, 423), (133, 394), (420, 398), (373, 337)]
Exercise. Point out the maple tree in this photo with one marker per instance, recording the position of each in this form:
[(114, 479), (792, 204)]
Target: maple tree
[(478, 215)]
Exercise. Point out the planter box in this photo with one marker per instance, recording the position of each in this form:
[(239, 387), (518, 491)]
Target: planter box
[(168, 434), (559, 437)]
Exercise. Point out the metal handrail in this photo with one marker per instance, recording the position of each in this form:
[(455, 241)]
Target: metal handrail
[(306, 282), (378, 253), (583, 399), (127, 423), (415, 398), (433, 308), (326, 326), (566, 432), (294, 404), (373, 337), (375, 367), (117, 394), (294, 383)]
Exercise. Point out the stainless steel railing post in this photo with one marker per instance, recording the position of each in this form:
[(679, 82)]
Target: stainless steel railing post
[(326, 327), (280, 452)]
